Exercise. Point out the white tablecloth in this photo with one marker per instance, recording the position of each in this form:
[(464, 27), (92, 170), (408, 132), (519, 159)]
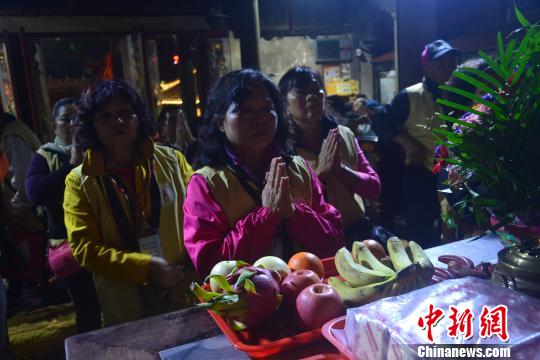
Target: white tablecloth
[(482, 249)]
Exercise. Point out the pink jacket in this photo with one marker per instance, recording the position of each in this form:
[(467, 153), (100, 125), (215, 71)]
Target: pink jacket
[(316, 228), (369, 185)]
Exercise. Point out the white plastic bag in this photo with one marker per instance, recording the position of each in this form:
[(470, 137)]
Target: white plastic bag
[(388, 328)]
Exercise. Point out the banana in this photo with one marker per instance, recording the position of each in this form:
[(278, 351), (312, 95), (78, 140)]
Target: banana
[(414, 283), (395, 290), (386, 261), (351, 296), (355, 296), (403, 286), (356, 274), (421, 283), (408, 250), (406, 279), (363, 256), (420, 257), (398, 254)]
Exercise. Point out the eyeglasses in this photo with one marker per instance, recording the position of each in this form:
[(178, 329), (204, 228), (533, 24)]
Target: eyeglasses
[(123, 115)]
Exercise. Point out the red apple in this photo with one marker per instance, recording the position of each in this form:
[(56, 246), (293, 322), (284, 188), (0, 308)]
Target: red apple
[(317, 304), (376, 248), (296, 282)]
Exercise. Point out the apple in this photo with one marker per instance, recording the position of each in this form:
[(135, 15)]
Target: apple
[(221, 268), (317, 304), (274, 263), (296, 282), (376, 248)]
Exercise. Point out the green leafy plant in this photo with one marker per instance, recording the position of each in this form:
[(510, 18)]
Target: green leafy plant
[(496, 149)]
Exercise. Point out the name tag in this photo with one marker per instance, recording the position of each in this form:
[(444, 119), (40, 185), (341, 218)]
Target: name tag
[(151, 245)]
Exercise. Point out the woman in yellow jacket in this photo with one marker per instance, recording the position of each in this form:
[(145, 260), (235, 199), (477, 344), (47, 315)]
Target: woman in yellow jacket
[(123, 207)]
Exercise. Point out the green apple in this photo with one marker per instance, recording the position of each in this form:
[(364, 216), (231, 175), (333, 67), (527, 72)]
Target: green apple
[(221, 268), (274, 263)]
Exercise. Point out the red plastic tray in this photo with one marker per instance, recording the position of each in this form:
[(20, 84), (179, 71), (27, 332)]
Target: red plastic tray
[(336, 324), (275, 336), (326, 357)]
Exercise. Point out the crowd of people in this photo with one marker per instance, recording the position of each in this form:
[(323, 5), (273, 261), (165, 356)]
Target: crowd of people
[(139, 208)]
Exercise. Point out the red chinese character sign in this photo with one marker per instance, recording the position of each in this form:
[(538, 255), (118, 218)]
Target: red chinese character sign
[(462, 323), (493, 322), (431, 319)]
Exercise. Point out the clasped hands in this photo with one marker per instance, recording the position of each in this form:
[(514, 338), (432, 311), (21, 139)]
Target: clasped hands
[(330, 156), (276, 194)]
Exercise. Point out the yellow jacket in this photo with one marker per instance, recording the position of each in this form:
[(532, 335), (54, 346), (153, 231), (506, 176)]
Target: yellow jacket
[(120, 275)]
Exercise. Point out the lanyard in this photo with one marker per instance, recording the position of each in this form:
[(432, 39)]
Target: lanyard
[(255, 193), (242, 177), (155, 200), (127, 230)]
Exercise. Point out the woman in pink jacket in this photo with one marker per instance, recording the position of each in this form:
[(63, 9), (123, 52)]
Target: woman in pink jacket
[(251, 196), (332, 150)]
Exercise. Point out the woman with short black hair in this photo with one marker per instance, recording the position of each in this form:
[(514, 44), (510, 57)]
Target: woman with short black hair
[(123, 207)]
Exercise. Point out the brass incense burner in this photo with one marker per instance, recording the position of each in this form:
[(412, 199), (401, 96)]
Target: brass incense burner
[(518, 270)]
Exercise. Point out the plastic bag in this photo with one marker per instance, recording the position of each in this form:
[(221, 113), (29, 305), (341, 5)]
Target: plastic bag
[(388, 328)]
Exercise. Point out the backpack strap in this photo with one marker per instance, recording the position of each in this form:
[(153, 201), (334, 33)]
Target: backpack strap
[(242, 177)]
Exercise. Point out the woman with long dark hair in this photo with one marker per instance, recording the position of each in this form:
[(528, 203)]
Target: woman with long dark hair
[(123, 207), (251, 196)]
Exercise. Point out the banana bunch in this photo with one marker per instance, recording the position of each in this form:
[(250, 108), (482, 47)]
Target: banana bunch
[(412, 266), (364, 278)]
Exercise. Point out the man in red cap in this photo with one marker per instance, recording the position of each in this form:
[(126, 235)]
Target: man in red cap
[(412, 117)]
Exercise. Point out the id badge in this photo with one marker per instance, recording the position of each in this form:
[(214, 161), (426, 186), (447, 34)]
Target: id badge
[(151, 245)]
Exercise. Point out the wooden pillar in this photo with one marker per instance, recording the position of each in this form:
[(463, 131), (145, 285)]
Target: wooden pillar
[(203, 69), (147, 85), (16, 73), (249, 33), (187, 80), (416, 27), (30, 94)]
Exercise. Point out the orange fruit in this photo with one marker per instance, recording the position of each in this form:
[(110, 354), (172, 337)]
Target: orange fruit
[(306, 261)]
